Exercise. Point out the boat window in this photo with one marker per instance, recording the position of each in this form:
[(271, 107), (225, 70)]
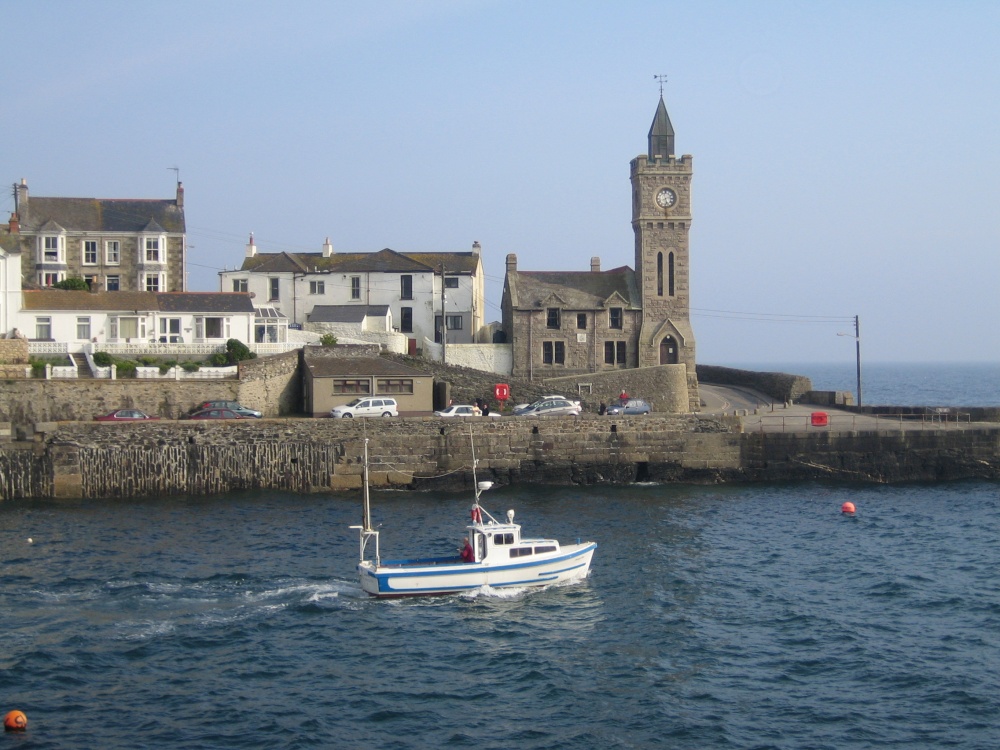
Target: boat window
[(503, 538), (547, 548), (520, 551)]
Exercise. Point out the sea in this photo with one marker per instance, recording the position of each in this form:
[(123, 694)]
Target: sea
[(727, 616)]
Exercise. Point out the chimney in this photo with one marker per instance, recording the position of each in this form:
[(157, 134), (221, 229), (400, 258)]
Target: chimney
[(14, 226), (476, 248), (327, 248), (21, 198), (511, 262), (595, 264), (180, 194), (251, 248)]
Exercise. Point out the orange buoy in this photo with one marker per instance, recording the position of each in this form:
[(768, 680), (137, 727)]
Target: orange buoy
[(847, 507), (15, 721)]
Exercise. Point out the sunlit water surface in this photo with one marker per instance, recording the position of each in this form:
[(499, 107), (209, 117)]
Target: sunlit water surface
[(733, 617)]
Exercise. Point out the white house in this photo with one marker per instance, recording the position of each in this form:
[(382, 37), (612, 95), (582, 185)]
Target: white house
[(421, 290), (144, 319)]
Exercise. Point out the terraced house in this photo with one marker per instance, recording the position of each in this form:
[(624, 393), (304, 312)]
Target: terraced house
[(428, 295), (129, 245)]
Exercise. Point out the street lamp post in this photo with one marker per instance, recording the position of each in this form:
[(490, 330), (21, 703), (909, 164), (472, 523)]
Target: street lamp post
[(857, 345)]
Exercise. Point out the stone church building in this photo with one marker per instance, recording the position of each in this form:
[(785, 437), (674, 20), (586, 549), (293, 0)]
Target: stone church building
[(563, 323)]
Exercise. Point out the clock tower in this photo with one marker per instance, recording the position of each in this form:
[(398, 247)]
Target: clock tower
[(661, 220)]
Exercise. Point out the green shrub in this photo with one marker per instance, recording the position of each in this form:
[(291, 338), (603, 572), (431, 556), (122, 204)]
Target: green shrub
[(126, 367), (103, 359), (148, 361), (165, 366), (238, 351), (219, 359), (191, 366), (327, 339), (73, 282), (37, 367)]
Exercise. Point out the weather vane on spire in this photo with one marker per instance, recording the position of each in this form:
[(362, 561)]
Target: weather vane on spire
[(662, 78)]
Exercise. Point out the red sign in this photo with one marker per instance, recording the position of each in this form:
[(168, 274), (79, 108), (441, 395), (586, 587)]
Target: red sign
[(501, 391)]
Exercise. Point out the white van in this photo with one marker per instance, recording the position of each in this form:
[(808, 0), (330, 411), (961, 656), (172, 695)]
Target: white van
[(367, 407)]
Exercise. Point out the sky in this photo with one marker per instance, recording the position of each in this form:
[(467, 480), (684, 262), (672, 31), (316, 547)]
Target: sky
[(846, 154)]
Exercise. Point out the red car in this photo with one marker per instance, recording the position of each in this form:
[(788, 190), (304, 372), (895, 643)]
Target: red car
[(124, 415), (217, 414)]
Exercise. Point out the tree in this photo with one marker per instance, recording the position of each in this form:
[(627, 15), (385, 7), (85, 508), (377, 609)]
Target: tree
[(73, 283)]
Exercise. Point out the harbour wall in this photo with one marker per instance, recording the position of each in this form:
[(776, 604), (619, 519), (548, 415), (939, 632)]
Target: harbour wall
[(99, 460)]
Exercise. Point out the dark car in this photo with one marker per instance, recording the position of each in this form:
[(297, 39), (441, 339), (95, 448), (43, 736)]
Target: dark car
[(217, 414), (124, 415), (235, 406), (629, 406)]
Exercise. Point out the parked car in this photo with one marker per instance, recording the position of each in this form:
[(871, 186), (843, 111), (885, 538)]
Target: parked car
[(217, 414), (463, 410), (629, 406), (233, 405), (551, 407), (521, 407), (366, 407), (124, 415)]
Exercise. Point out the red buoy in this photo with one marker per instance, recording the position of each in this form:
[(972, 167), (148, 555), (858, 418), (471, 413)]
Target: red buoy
[(847, 507), (15, 721)]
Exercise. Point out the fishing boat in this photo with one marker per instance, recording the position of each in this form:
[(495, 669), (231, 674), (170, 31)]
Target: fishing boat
[(499, 557)]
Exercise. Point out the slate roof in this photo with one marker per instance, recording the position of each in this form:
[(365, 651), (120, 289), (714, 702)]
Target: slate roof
[(362, 367), (171, 302), (103, 215), (574, 290), (383, 261), (346, 313)]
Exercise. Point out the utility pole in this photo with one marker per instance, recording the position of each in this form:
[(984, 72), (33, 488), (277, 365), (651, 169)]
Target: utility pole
[(857, 343)]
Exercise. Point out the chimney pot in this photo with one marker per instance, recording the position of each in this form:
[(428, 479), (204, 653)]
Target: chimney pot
[(595, 264)]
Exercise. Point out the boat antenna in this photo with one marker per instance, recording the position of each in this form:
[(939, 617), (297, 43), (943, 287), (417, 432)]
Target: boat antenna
[(366, 518)]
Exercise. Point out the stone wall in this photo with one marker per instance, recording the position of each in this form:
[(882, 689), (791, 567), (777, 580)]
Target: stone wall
[(101, 460), (272, 385), (14, 352), (666, 387), (778, 385)]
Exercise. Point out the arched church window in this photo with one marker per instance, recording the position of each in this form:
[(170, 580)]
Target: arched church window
[(670, 274), (659, 274)]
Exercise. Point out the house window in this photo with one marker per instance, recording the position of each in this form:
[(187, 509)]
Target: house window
[(451, 282), (83, 329), (406, 319), (317, 287), (394, 385), (113, 283), (615, 318), (50, 278), (553, 353), (52, 249), (152, 249), (614, 352), (152, 282), (112, 252), (43, 328), (355, 287), (170, 331), (274, 289), (126, 328), (344, 385), (406, 287), (453, 322), (552, 317), (211, 328), (90, 252), (240, 285), (581, 321)]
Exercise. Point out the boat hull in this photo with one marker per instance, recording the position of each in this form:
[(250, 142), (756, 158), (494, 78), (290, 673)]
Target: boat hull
[(571, 562)]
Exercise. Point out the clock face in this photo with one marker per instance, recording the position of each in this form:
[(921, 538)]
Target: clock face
[(666, 198)]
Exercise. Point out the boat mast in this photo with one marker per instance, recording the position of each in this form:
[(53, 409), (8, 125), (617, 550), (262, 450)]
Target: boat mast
[(366, 517)]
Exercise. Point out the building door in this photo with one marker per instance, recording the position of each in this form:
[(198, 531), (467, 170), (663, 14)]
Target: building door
[(668, 351)]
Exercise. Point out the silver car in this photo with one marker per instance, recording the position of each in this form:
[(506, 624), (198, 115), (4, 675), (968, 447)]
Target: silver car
[(550, 407)]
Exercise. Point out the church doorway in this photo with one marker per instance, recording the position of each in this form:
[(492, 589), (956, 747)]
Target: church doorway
[(668, 351)]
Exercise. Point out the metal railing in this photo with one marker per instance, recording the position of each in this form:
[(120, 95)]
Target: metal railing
[(937, 419)]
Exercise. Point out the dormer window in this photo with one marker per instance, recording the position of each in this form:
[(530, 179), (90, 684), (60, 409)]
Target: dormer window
[(153, 249), (53, 248), (552, 317)]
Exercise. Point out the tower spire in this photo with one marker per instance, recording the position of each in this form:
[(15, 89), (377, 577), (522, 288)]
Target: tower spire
[(661, 132)]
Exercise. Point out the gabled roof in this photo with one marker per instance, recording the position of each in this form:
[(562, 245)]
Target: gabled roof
[(103, 215), (170, 302), (578, 290), (346, 313), (338, 367), (383, 261)]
